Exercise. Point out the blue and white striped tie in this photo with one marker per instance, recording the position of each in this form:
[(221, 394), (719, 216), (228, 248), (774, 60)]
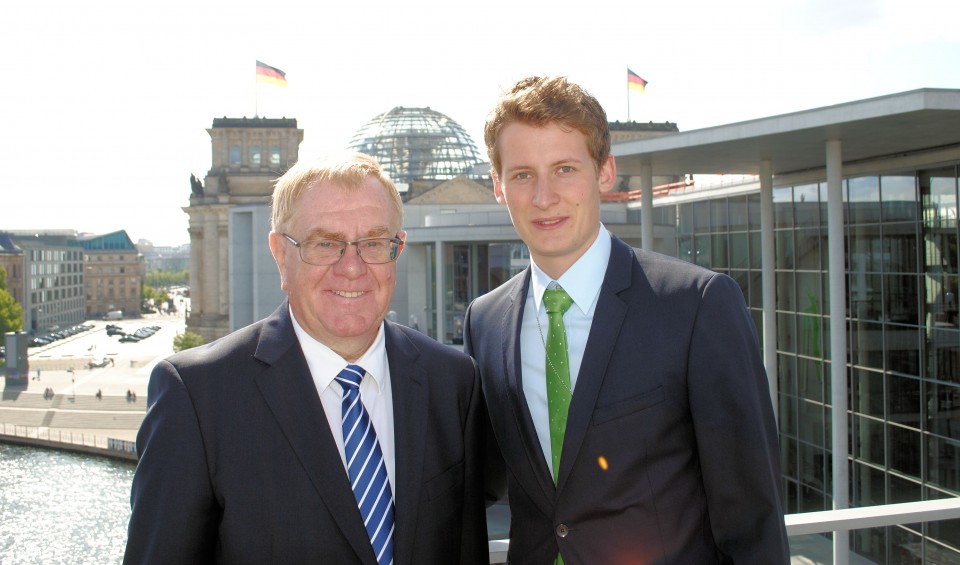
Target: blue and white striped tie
[(365, 465)]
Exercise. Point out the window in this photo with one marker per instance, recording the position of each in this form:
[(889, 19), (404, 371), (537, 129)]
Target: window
[(235, 155), (255, 155), (274, 154)]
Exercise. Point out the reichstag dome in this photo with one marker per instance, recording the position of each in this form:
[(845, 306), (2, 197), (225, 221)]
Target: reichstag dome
[(416, 144)]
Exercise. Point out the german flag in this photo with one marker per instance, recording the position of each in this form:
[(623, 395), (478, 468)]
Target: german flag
[(634, 82), (270, 75)]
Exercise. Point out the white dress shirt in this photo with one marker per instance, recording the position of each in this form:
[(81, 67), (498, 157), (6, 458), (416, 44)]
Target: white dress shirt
[(375, 391), (582, 282)]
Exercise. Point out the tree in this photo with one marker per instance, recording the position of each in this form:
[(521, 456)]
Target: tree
[(186, 340), (11, 313)]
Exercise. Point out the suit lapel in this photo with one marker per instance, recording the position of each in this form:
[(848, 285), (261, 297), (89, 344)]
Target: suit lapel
[(289, 391), (410, 404), (512, 365), (604, 331)]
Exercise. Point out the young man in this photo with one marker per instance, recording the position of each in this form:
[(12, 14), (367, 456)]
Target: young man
[(646, 434), (322, 434)]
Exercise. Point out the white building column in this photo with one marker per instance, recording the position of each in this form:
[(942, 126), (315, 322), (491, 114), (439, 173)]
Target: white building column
[(838, 344), (769, 278), (646, 207)]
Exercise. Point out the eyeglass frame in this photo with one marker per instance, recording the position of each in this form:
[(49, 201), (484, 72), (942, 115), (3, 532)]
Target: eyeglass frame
[(343, 249)]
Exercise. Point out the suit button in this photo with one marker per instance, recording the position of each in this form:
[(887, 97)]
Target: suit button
[(563, 530)]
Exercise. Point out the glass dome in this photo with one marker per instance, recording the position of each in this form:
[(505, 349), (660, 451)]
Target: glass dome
[(415, 144)]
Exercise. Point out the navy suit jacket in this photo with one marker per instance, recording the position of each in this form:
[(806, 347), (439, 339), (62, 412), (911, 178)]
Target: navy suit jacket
[(238, 463), (670, 454)]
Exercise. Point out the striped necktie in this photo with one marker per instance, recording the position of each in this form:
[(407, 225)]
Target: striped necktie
[(365, 466)]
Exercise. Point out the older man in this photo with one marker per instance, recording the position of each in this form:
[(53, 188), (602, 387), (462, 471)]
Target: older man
[(322, 434)]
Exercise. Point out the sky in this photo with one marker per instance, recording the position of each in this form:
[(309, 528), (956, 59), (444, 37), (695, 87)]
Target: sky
[(105, 104)]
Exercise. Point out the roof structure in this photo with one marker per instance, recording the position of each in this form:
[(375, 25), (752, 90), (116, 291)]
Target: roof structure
[(885, 126)]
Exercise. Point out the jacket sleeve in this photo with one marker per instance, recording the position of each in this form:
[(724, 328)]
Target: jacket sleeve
[(174, 515), (735, 430), (494, 468)]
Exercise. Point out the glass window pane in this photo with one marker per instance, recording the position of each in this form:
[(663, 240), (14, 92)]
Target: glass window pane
[(863, 200), (902, 349), (806, 203), (943, 355), (810, 332), (753, 209), (718, 215), (784, 242), (868, 440), (810, 378), (686, 218), (943, 463), (899, 197), (738, 213), (866, 344), (786, 333), (901, 300), (719, 251), (899, 252), (739, 250), (787, 374), (786, 295), (783, 207), (701, 216), (938, 189), (903, 398), (808, 244), (702, 251), (869, 397)]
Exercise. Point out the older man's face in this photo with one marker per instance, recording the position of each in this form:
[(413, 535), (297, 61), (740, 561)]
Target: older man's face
[(341, 305)]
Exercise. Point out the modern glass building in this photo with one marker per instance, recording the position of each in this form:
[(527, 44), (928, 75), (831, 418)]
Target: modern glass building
[(899, 233)]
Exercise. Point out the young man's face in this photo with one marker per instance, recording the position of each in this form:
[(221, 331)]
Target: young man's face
[(340, 305), (552, 187)]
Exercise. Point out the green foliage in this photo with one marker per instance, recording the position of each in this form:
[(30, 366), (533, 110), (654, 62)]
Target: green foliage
[(186, 340), (157, 279), (11, 313)]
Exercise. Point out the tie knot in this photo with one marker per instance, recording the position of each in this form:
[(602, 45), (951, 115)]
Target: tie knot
[(351, 376), (556, 300)]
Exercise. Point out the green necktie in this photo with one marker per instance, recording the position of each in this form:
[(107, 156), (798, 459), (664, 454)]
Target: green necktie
[(557, 301)]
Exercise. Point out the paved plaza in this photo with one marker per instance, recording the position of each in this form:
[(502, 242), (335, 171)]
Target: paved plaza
[(64, 393)]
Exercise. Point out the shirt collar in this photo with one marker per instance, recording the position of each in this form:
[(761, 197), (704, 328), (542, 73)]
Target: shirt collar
[(325, 364), (581, 281)]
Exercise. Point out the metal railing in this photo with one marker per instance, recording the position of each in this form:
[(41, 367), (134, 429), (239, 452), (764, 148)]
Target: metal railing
[(91, 442), (834, 521)]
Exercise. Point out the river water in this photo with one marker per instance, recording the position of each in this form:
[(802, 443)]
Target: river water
[(59, 507)]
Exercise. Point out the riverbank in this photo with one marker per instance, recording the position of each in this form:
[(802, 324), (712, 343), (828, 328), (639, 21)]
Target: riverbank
[(70, 440)]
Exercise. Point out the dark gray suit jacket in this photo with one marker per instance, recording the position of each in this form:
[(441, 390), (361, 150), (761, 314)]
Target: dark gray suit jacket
[(670, 454), (238, 463)]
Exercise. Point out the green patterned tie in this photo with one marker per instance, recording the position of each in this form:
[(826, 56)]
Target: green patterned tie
[(557, 301)]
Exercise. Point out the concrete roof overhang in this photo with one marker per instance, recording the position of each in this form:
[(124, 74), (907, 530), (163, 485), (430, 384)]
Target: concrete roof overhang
[(886, 126)]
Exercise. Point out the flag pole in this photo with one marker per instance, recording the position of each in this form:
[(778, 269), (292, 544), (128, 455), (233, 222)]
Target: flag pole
[(628, 100), (256, 93)]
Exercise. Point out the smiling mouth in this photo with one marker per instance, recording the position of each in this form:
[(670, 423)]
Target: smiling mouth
[(551, 222), (346, 294)]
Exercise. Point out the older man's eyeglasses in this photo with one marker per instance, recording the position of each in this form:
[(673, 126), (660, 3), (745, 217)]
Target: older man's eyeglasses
[(373, 250)]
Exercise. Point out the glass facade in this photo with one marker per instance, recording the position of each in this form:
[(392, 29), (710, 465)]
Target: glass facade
[(901, 241), (413, 144)]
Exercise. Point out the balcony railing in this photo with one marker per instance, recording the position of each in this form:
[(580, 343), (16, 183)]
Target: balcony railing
[(834, 521)]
